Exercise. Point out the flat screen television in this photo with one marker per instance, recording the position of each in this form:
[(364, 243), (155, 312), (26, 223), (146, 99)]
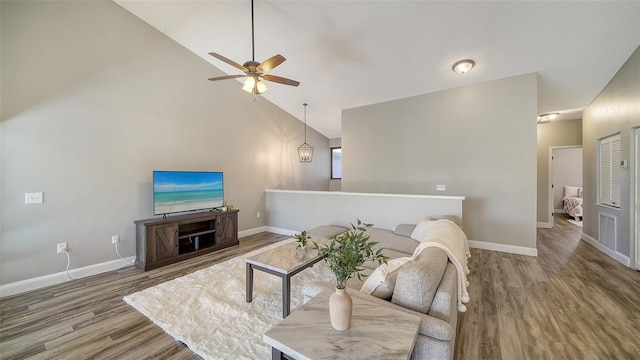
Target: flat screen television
[(182, 191)]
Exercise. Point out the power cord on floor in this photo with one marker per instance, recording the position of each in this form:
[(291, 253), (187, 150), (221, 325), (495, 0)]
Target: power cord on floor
[(68, 264)]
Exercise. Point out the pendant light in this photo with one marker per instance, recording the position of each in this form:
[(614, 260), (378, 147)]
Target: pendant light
[(305, 151)]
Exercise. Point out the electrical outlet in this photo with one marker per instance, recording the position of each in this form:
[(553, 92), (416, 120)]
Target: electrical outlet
[(62, 247), (258, 214), (33, 198), (115, 239)]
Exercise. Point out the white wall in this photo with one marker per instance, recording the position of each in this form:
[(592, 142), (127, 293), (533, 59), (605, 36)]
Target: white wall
[(616, 109), (550, 134), (478, 140), (93, 100), (302, 210)]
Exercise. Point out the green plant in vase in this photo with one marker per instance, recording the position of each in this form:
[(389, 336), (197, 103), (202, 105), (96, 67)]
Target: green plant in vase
[(345, 254), (302, 239)]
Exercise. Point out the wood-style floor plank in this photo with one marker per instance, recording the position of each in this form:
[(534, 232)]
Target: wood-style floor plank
[(570, 302)]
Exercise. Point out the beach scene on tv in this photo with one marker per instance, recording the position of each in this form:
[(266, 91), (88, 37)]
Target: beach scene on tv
[(178, 191)]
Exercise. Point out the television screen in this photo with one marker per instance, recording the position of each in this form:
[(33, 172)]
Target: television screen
[(178, 191)]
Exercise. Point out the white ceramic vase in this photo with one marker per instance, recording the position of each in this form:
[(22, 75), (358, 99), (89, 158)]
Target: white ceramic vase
[(340, 309)]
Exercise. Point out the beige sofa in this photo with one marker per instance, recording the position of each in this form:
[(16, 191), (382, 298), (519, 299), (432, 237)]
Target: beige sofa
[(425, 286)]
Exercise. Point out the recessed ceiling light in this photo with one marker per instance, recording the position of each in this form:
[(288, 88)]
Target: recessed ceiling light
[(463, 66), (547, 117)]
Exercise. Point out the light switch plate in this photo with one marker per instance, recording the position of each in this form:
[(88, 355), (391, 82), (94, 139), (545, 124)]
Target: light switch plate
[(33, 198), (441, 187)]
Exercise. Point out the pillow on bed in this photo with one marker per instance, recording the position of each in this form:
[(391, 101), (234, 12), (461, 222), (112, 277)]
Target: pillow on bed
[(580, 192), (571, 191)]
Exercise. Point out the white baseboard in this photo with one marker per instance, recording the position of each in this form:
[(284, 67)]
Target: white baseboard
[(270, 229), (281, 231), (19, 287), (520, 250), (622, 259), (253, 231), (546, 225), (61, 277)]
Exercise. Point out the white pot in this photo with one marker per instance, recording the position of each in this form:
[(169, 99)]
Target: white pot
[(340, 309)]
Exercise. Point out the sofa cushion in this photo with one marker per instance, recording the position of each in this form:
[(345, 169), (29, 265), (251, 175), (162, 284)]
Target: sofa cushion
[(391, 254), (421, 229), (386, 239), (383, 279), (325, 232), (404, 229), (418, 281)]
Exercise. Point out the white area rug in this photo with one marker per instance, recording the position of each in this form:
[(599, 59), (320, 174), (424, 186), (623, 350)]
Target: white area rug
[(574, 222), (207, 311)]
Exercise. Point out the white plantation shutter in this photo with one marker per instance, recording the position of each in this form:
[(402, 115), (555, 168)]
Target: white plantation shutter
[(616, 172), (610, 173), (605, 172)]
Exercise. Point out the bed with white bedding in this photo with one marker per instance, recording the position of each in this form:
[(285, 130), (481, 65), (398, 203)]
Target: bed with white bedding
[(572, 201)]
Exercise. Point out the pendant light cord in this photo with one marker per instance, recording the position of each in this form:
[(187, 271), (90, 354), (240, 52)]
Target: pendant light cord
[(305, 122), (253, 43)]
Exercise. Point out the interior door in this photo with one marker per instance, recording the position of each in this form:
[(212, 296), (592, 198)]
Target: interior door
[(565, 169), (636, 227)]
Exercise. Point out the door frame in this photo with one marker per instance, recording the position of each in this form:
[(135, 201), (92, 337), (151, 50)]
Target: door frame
[(550, 180)]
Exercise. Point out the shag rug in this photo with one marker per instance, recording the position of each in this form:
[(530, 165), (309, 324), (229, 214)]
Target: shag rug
[(574, 222), (207, 311)]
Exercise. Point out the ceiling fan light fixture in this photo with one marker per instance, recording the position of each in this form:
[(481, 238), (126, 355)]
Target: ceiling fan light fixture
[(253, 70), (249, 84), (261, 87), (463, 66)]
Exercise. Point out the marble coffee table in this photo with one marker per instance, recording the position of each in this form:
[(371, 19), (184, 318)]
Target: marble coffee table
[(284, 262), (376, 332)]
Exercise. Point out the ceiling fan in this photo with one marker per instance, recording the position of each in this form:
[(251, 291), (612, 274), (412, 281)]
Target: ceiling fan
[(253, 70)]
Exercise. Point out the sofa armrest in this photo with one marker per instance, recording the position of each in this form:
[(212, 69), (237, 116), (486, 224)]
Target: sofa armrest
[(429, 326)]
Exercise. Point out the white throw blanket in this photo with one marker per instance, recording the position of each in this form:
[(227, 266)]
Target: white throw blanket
[(446, 235)]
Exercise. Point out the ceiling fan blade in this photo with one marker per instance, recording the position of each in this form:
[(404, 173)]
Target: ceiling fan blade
[(228, 61), (280, 80), (226, 77), (271, 63)]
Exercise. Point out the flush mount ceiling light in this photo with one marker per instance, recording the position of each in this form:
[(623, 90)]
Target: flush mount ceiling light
[(463, 66), (254, 70), (305, 151), (547, 117)]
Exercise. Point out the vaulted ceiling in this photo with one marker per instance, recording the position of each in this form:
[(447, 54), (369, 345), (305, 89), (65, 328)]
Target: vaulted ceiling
[(348, 54)]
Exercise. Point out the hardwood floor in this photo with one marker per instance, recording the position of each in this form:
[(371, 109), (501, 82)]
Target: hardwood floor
[(571, 302), (87, 318)]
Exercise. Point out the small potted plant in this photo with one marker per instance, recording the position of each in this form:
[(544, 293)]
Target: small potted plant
[(344, 255), (224, 206), (302, 239)]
